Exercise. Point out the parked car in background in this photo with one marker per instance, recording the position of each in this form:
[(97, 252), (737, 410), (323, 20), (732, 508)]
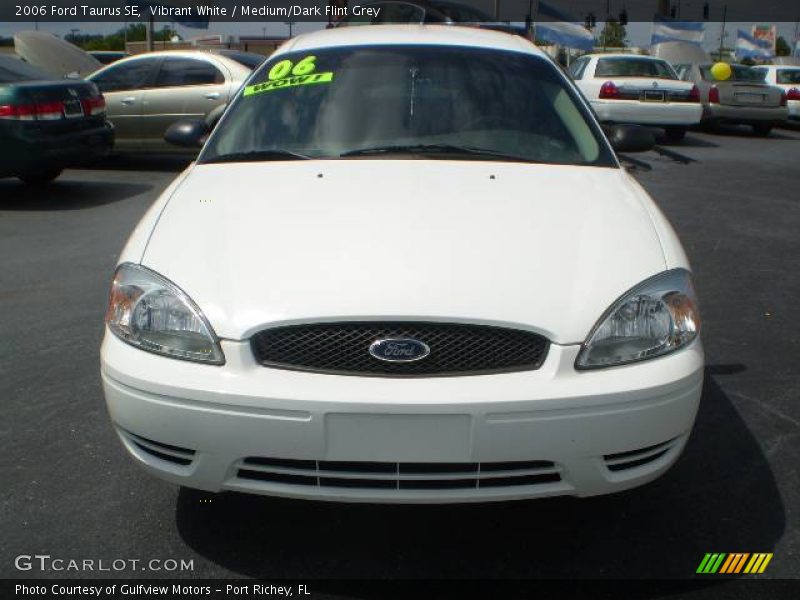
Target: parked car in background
[(788, 79), (146, 93), (48, 125), (625, 88), (742, 99), (251, 60), (108, 56), (283, 321)]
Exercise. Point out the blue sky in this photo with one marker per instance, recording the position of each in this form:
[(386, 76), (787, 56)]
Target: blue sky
[(638, 33)]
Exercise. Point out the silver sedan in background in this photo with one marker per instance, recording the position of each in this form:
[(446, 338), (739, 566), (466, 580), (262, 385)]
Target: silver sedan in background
[(146, 93), (745, 98)]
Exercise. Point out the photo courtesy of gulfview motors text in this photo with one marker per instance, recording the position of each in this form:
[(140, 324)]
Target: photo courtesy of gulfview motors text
[(384, 299), (254, 590)]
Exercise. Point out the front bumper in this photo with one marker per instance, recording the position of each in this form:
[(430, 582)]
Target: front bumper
[(554, 431), (670, 114)]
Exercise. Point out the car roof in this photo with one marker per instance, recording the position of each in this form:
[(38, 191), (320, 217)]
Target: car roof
[(235, 67), (391, 35), (622, 55)]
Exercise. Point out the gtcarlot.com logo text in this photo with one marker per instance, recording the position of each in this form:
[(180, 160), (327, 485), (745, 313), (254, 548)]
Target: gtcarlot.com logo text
[(45, 562)]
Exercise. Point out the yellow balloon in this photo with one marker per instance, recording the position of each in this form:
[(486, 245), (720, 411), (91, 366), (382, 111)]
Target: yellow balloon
[(721, 71)]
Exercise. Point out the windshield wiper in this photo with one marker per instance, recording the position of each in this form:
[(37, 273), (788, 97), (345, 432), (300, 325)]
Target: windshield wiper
[(257, 155), (435, 149)]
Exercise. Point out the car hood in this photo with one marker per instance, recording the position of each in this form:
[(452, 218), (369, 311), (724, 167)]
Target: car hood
[(541, 247), (53, 55)]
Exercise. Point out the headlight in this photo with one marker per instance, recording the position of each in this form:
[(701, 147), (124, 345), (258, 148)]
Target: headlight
[(152, 313), (655, 318)]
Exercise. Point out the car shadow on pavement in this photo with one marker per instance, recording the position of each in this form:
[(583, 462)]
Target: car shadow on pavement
[(720, 497), (65, 194), (690, 141), (144, 162), (745, 131)]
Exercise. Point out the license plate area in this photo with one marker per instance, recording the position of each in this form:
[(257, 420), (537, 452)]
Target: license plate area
[(73, 109), (654, 96), (749, 97), (398, 438)]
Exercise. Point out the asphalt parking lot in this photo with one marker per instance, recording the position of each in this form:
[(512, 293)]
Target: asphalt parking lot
[(70, 491)]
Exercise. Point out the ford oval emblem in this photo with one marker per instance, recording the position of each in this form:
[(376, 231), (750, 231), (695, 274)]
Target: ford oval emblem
[(399, 349)]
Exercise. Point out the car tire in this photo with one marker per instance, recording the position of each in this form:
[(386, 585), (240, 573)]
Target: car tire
[(42, 177), (762, 129), (709, 126), (675, 134)]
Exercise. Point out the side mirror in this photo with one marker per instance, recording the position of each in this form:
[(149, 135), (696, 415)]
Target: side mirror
[(631, 138), (189, 133)]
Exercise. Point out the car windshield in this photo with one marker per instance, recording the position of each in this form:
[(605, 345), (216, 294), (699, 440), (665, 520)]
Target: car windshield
[(403, 101), (13, 70), (788, 76), (634, 67)]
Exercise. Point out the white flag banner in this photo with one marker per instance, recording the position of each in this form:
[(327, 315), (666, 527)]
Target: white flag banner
[(749, 47), (667, 30)]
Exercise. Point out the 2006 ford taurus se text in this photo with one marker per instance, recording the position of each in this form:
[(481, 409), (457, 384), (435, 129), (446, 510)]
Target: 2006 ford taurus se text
[(406, 267)]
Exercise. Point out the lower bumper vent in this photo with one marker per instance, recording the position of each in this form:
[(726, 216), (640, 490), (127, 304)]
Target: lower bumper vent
[(173, 454), (623, 461), (398, 476)]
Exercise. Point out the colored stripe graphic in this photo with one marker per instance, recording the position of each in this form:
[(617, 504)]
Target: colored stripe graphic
[(733, 563), (758, 563), (711, 563)]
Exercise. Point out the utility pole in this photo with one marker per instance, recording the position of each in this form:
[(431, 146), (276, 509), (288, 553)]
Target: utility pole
[(290, 24), (149, 33), (496, 10), (722, 33)]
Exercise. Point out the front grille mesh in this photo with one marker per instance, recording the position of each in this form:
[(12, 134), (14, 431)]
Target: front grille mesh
[(455, 348), (398, 476)]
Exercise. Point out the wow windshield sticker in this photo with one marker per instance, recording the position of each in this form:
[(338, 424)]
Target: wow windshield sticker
[(285, 74)]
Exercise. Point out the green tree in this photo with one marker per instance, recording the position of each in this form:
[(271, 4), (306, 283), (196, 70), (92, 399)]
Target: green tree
[(137, 32), (782, 47), (613, 35)]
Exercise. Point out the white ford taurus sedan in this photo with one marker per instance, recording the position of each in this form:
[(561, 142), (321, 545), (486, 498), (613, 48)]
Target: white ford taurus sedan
[(406, 267)]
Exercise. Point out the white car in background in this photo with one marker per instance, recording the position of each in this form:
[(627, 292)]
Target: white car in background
[(626, 88), (407, 266), (788, 79)]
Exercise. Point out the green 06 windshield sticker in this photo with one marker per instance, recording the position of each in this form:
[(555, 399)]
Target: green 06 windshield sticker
[(285, 74)]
